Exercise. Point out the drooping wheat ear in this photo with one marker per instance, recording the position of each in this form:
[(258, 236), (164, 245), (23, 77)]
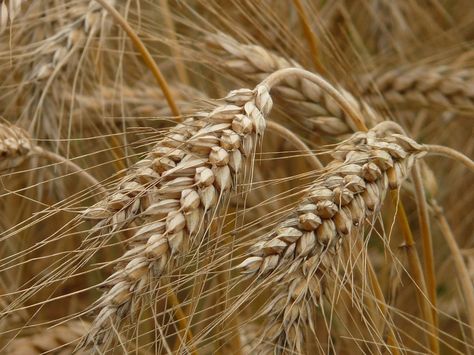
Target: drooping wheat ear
[(424, 85), (69, 39), (318, 108), (15, 146), (306, 243), (8, 11), (179, 184), (60, 340)]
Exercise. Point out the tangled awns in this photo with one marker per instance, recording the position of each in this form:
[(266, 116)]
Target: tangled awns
[(236, 177)]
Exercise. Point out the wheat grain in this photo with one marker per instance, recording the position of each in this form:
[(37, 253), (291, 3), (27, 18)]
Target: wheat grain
[(319, 109), (176, 187), (298, 254)]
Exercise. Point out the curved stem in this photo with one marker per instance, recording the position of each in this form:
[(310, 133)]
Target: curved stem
[(462, 272), (426, 238), (450, 153), (285, 133), (147, 58), (274, 78), (416, 273)]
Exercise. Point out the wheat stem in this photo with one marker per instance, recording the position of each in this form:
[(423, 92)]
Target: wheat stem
[(416, 272), (450, 153), (282, 74), (182, 320), (462, 271), (147, 58), (310, 36), (175, 46), (427, 240), (391, 338)]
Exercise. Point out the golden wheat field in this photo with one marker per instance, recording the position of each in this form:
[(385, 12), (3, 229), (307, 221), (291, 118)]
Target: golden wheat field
[(236, 177)]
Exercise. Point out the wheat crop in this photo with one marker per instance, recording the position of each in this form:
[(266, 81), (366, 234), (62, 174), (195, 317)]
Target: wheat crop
[(236, 177)]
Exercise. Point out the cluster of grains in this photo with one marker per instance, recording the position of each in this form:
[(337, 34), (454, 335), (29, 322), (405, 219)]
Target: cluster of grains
[(8, 11), (60, 340), (439, 86), (299, 253), (69, 39), (175, 188), (15, 146), (319, 109)]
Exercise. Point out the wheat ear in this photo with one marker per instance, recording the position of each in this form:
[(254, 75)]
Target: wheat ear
[(175, 188), (306, 243), (68, 39), (320, 111), (424, 85)]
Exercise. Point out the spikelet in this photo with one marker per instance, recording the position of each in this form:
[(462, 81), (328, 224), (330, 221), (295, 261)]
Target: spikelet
[(307, 241), (176, 187), (15, 146), (9, 9)]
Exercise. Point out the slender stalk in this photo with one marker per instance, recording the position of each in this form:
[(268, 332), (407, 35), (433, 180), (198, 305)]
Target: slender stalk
[(182, 319), (416, 273), (391, 337), (462, 272), (450, 153), (426, 238), (310, 35), (175, 47), (147, 58), (274, 78)]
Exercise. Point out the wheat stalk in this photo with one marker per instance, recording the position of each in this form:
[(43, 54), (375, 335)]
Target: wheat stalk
[(306, 242), (423, 85), (319, 110), (176, 187)]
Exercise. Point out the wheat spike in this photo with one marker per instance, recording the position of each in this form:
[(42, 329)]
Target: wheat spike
[(300, 252), (177, 186), (321, 113), (424, 85), (15, 146), (70, 38)]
